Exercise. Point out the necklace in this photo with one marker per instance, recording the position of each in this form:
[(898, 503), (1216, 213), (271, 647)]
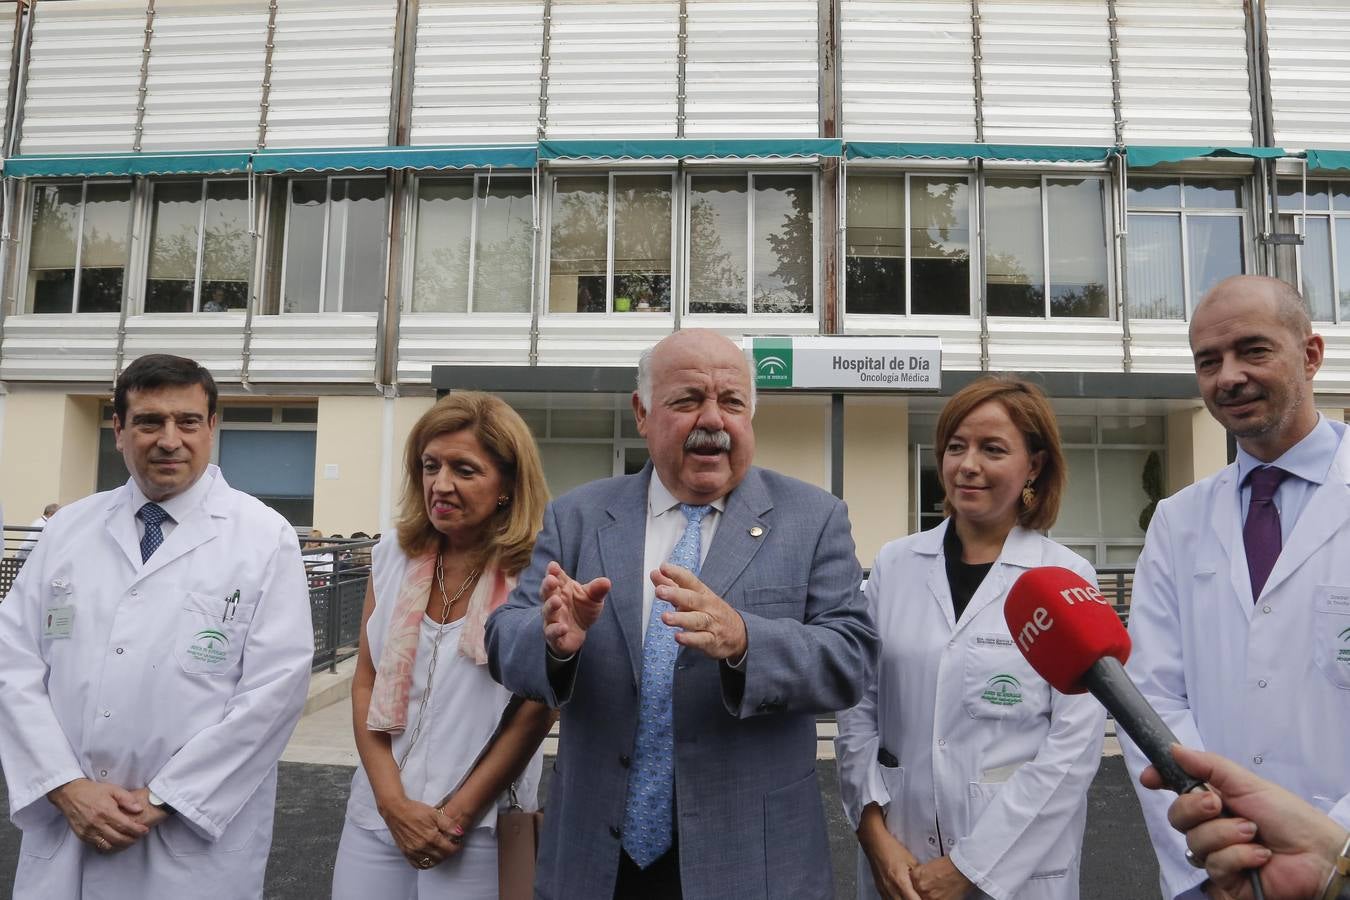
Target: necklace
[(446, 603)]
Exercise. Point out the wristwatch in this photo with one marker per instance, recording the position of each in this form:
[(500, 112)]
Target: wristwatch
[(158, 802), (1338, 882)]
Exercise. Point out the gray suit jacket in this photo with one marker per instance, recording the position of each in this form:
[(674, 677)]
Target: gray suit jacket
[(748, 807)]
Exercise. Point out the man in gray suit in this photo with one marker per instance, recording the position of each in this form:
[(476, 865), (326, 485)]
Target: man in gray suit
[(690, 621)]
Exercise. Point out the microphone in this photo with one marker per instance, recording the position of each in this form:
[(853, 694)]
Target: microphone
[(1073, 638)]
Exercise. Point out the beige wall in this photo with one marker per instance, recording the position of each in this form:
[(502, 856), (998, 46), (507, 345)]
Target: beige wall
[(348, 437), (406, 412), (1197, 446), (49, 452), (1334, 413), (792, 436), (876, 471)]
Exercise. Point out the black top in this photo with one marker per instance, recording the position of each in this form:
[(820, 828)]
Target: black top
[(963, 578)]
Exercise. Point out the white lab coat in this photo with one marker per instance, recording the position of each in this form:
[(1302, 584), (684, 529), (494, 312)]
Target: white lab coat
[(1266, 684), (152, 688), (1001, 766), (31, 540)]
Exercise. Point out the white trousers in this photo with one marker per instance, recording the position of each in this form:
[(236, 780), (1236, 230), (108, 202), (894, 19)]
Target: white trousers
[(369, 864)]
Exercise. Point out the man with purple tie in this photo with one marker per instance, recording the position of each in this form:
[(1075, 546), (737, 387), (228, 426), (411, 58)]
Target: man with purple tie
[(1241, 609)]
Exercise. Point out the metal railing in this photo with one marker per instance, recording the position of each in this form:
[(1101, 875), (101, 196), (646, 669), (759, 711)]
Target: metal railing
[(337, 571), (1117, 585)]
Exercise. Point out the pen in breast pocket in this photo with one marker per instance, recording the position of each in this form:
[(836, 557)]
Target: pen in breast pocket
[(231, 605)]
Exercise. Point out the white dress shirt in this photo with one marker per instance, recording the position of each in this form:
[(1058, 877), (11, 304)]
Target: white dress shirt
[(665, 526)]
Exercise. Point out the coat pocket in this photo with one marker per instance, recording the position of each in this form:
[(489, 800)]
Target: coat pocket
[(999, 683), (796, 848), (788, 601), (1331, 633), (43, 842), (209, 638), (181, 840)]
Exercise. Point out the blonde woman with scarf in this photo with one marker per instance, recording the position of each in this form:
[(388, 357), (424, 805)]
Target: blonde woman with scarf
[(441, 743)]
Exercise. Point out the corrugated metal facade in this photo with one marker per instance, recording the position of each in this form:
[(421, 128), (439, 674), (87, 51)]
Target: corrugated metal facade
[(613, 69), (60, 347), (1309, 44), (477, 72), (753, 68), (427, 340), (204, 87), (1046, 72), (332, 73), (908, 73), (1183, 72), (84, 77)]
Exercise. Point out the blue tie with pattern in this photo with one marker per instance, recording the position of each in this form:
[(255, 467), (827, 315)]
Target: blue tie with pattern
[(648, 815), (153, 515)]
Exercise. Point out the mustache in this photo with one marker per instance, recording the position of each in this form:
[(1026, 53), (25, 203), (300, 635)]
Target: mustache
[(701, 440), (1238, 395)]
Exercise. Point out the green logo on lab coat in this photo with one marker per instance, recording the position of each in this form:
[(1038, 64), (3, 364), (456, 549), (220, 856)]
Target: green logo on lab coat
[(1003, 690)]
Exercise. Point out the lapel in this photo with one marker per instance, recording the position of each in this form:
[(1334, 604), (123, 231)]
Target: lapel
[(733, 546), (121, 526), (621, 539), (929, 544), (196, 529), (1022, 550), (1327, 512), (1225, 527)]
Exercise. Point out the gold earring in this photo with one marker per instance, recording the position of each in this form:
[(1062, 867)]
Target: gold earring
[(502, 501), (1028, 493)]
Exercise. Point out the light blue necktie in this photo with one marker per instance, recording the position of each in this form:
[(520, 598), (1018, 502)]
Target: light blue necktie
[(153, 515), (649, 816)]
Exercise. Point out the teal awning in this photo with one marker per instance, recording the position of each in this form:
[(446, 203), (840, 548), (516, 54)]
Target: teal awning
[(1004, 152), (690, 148), (509, 156), (70, 165), (1144, 157), (1328, 159)]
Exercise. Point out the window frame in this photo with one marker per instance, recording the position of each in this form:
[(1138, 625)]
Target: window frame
[(205, 182), (1183, 213), (127, 272), (677, 279), (686, 242), (328, 180), (1045, 177), (477, 176), (974, 270), (1332, 215)]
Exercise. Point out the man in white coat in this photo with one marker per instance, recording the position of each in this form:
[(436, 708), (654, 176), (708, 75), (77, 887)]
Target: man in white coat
[(157, 647), (1241, 611)]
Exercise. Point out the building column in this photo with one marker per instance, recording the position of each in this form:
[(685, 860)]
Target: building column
[(1197, 446), (350, 465), (877, 471), (49, 451)]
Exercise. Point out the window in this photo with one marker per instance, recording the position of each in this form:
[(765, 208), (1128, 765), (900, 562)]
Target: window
[(475, 245), (1045, 249), (751, 244), (1185, 236), (582, 437), (1321, 267), (201, 254), (77, 257), (334, 245), (610, 244), (266, 451), (908, 244)]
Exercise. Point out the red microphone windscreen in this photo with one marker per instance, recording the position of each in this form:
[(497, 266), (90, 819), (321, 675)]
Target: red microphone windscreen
[(1062, 625)]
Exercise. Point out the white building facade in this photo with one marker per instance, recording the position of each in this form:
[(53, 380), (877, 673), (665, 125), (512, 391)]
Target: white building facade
[(341, 207)]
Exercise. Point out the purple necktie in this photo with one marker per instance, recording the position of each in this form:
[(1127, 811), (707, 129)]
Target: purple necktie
[(1261, 531)]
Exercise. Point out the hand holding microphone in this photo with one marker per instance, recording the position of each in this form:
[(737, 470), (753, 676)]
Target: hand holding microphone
[(1072, 637)]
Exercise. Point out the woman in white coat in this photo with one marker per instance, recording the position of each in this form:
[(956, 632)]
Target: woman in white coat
[(442, 745), (964, 774)]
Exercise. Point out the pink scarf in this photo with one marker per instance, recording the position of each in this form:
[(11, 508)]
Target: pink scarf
[(393, 674)]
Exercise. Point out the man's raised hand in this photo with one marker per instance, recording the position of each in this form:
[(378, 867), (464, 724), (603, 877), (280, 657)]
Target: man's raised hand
[(570, 608)]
